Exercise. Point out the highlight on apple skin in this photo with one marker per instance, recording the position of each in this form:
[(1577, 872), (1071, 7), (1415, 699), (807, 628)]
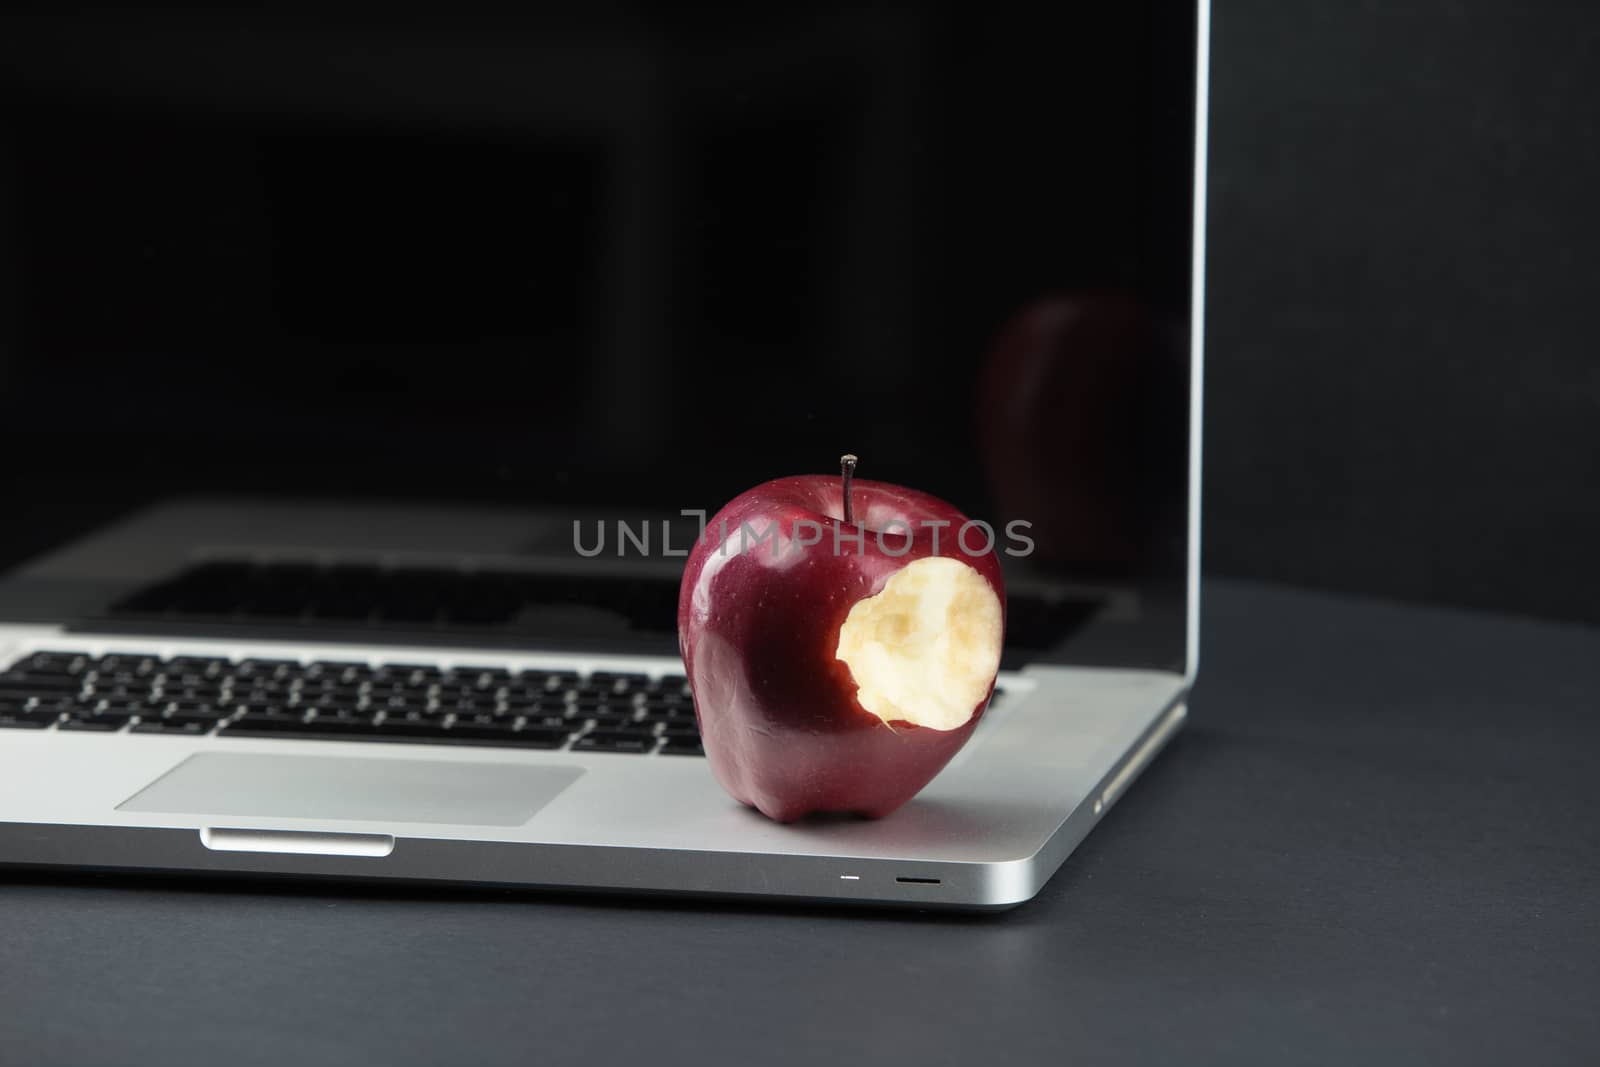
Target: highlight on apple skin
[(831, 672)]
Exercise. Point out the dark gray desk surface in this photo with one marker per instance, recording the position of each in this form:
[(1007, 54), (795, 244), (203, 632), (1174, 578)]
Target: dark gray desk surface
[(1375, 842)]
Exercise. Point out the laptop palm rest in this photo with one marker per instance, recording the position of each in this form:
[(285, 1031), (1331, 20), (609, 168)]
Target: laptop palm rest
[(344, 788)]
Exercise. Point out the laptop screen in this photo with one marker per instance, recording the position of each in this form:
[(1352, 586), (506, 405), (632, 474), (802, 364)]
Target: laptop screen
[(618, 258)]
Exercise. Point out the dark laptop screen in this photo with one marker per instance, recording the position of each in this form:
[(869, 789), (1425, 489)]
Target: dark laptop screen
[(617, 257)]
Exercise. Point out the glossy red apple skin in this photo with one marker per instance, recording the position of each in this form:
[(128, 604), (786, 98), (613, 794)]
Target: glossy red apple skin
[(759, 631)]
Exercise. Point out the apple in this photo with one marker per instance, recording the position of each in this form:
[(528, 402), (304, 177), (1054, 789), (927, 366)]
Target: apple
[(837, 665)]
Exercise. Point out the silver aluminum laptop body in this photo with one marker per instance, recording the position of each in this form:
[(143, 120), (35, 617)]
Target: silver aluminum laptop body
[(1048, 762)]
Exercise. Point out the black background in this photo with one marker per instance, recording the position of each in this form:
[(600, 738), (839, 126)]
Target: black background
[(1403, 389)]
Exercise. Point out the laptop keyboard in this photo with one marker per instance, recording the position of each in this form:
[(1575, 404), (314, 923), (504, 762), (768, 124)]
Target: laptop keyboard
[(330, 700)]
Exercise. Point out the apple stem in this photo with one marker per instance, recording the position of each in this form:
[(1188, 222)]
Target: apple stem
[(847, 470)]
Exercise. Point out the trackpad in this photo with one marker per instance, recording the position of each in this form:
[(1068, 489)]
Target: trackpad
[(372, 790)]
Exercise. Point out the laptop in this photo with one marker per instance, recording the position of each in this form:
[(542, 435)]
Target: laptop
[(334, 347)]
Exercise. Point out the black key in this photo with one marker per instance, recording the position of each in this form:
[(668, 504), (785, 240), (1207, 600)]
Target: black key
[(190, 680), (472, 735), (413, 729), (333, 715), (119, 717), (130, 679), (132, 665), (607, 718), (333, 702), (181, 704), (204, 666), (601, 701), (124, 694), (26, 720), (97, 723), (549, 722), (406, 674), (31, 682), (170, 726), (628, 729), (255, 713), (433, 715), (677, 747), (478, 677), (613, 682), (558, 681), (208, 716), (607, 741), (262, 694), (338, 673), (671, 688), (267, 669), (314, 729), (676, 710), (191, 695), (493, 720), (534, 738), (70, 663), (120, 707), (686, 731)]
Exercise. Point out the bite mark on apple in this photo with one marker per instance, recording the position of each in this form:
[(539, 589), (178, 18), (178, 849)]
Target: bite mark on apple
[(925, 649)]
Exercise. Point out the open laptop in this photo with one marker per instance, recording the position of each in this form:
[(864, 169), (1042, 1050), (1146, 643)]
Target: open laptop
[(349, 339)]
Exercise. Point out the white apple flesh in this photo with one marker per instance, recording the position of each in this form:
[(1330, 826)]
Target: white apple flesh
[(925, 650)]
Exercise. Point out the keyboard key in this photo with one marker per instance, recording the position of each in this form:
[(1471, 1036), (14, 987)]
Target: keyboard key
[(668, 712), (557, 681), (406, 674), (607, 719), (266, 669), (670, 687), (100, 705), (208, 717), (415, 715), (270, 715), (614, 682), (202, 666), (120, 663), (477, 677), (313, 729), (549, 722), (168, 726), (682, 747), (68, 663), (26, 720), (530, 738), (609, 741), (95, 723), (413, 729), (32, 682)]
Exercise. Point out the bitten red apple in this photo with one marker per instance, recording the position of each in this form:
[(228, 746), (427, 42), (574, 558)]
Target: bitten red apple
[(837, 659)]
